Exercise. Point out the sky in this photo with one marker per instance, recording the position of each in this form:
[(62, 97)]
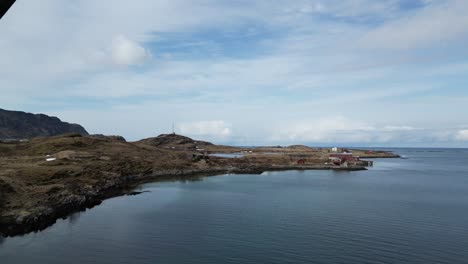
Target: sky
[(244, 72)]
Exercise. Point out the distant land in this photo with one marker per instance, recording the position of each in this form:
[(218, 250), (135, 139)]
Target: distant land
[(15, 125)]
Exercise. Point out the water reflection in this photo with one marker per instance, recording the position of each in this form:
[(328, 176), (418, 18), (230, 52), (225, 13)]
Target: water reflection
[(73, 218), (192, 179)]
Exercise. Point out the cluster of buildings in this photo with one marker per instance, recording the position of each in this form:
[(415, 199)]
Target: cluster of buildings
[(343, 158)]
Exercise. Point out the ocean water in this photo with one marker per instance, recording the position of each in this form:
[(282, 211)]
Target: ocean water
[(411, 210)]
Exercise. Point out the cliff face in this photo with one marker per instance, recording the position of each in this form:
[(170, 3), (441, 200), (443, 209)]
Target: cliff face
[(21, 125)]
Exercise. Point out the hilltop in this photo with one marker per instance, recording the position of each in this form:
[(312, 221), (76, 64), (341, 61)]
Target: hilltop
[(174, 140)]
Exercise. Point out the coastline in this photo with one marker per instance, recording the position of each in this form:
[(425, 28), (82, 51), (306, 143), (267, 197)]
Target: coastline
[(104, 179)]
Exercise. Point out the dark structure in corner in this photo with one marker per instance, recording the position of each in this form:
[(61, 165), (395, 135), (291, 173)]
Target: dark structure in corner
[(4, 6)]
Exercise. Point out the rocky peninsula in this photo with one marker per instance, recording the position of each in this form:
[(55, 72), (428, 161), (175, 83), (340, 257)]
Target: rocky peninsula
[(44, 179)]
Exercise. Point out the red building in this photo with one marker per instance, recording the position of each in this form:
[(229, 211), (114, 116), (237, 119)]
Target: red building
[(343, 156)]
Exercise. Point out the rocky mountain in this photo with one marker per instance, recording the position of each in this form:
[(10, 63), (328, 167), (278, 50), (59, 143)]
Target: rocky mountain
[(21, 125)]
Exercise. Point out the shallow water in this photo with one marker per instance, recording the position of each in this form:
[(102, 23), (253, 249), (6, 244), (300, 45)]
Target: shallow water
[(228, 155), (400, 211)]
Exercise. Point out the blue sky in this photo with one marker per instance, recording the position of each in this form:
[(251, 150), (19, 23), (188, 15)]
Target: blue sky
[(348, 72)]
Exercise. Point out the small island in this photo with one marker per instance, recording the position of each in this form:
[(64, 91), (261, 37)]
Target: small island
[(47, 178)]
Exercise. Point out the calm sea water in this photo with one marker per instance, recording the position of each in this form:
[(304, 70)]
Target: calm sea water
[(411, 210)]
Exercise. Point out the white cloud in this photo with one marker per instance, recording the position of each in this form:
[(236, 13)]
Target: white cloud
[(462, 135), (437, 24), (340, 129), (398, 128), (127, 52), (329, 129), (216, 128)]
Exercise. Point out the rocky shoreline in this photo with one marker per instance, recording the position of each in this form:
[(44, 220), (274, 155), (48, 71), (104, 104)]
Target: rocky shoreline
[(86, 199), (33, 198)]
